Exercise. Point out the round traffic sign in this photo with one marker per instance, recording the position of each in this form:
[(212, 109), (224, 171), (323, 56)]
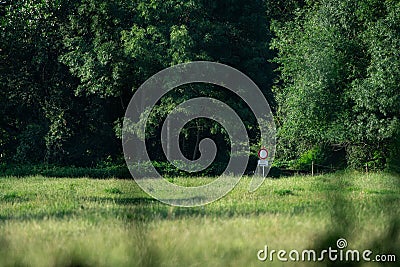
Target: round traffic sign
[(263, 153)]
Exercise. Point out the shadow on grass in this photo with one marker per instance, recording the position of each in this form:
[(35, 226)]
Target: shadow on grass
[(123, 200), (344, 226), (149, 209), (39, 216), (13, 197)]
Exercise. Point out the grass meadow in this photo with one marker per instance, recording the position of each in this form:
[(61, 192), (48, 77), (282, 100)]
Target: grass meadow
[(110, 222)]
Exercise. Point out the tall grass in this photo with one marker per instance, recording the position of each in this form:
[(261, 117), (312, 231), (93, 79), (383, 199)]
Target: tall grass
[(87, 222)]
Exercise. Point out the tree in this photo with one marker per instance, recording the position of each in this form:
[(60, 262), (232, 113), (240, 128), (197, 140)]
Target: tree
[(112, 48), (334, 58), (33, 82), (43, 120)]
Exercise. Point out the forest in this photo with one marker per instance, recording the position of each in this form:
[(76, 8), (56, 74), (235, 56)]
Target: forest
[(330, 70)]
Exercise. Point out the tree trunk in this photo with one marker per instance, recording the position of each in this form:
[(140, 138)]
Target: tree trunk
[(168, 139), (196, 147)]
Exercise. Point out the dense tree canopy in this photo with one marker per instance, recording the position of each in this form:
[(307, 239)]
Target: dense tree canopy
[(339, 67), (329, 68)]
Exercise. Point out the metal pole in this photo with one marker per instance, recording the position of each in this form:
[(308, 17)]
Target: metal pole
[(312, 168), (263, 171)]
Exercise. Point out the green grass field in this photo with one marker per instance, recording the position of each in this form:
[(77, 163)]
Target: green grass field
[(88, 222)]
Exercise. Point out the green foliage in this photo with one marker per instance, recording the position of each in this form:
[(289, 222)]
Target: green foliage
[(393, 161), (76, 64), (30, 144), (339, 71), (316, 155), (106, 169), (69, 69), (20, 170), (168, 169)]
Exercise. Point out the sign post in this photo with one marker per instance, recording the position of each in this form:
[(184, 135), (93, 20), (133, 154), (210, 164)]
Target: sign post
[(263, 162)]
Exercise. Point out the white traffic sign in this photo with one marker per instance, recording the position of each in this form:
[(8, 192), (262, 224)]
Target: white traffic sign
[(263, 153), (263, 162)]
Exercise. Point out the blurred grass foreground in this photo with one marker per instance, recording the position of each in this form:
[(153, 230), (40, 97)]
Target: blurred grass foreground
[(109, 222)]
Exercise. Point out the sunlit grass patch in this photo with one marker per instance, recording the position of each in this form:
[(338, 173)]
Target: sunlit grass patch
[(88, 222)]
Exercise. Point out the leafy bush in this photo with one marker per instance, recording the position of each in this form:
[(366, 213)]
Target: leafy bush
[(170, 170), (106, 171), (316, 154), (20, 170), (393, 162)]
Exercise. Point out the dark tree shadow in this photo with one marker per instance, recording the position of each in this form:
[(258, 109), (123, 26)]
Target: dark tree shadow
[(344, 225)]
